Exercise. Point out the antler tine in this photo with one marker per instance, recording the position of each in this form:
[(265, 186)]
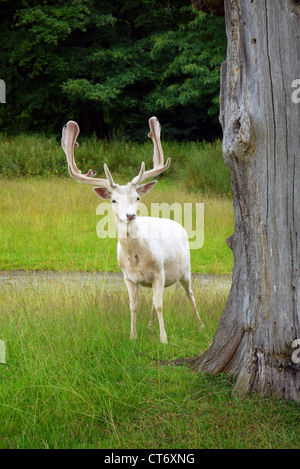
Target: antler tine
[(70, 132), (158, 155), (135, 181), (109, 176)]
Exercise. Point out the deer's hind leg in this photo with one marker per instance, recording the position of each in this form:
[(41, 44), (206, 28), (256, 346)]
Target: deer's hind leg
[(186, 283), (158, 292)]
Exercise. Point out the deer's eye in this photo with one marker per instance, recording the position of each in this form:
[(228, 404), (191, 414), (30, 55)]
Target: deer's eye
[(114, 201), (138, 198)]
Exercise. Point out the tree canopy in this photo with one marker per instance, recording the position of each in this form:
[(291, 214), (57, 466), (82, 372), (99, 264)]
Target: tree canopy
[(110, 65)]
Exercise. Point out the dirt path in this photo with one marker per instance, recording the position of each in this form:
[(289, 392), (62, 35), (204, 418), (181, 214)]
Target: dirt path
[(23, 278)]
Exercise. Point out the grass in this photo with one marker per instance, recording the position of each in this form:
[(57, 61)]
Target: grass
[(198, 165), (73, 379), (50, 224)]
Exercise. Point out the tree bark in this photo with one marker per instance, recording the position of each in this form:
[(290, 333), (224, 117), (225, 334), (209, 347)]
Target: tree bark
[(260, 122)]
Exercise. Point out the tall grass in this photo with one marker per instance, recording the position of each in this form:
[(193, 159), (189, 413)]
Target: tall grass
[(205, 170), (199, 165), (73, 379)]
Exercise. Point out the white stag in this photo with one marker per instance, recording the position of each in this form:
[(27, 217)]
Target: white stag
[(152, 252)]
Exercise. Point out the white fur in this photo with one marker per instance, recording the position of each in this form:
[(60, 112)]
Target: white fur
[(152, 252)]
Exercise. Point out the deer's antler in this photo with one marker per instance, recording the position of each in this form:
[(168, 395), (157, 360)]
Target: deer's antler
[(70, 132), (158, 155)]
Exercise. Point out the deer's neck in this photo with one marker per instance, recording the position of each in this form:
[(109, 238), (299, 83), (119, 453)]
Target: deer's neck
[(128, 235)]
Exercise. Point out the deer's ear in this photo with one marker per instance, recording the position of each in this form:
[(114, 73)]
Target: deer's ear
[(144, 188), (102, 192)]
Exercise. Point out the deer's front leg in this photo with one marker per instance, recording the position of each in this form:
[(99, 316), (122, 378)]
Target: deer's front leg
[(133, 298), (158, 292)]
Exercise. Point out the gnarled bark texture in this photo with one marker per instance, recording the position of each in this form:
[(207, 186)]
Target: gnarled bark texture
[(261, 142)]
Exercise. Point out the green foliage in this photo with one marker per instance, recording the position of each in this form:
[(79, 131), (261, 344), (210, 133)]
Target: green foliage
[(189, 87), (110, 65), (206, 171), (199, 165)]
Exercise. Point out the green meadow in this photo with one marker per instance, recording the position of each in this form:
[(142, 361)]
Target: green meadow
[(50, 224), (72, 378), (48, 221)]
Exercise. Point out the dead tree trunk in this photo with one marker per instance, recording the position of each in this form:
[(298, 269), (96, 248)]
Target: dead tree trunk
[(261, 142)]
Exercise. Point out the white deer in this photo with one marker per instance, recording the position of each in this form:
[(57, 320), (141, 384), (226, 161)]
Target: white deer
[(152, 252)]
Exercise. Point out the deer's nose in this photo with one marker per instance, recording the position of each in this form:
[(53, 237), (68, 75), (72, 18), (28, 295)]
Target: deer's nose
[(130, 216)]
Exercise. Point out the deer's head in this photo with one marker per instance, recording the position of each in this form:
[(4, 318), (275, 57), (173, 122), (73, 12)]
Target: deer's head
[(124, 198)]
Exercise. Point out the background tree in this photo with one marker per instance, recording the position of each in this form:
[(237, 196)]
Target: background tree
[(110, 65), (253, 342), (187, 94)]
